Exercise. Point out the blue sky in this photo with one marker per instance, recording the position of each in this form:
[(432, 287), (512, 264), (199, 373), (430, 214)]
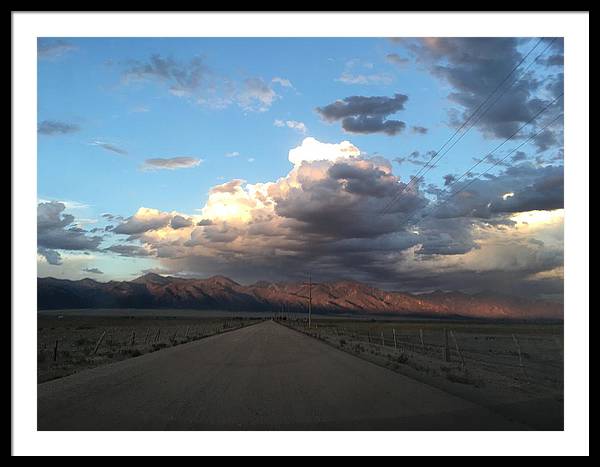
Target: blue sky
[(86, 86), (108, 108)]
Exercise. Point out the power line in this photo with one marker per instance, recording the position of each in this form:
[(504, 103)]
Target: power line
[(408, 217), (506, 140), (425, 167), (481, 115), (453, 194)]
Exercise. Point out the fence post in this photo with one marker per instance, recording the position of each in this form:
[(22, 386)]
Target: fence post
[(462, 360), (395, 342), (157, 335), (516, 341), (55, 350), (446, 346), (382, 340), (132, 338), (99, 342), (422, 341), (147, 335)]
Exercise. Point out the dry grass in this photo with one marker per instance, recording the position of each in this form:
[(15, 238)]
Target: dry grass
[(77, 337)]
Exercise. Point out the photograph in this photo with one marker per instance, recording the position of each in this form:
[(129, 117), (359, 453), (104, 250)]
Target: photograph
[(299, 233)]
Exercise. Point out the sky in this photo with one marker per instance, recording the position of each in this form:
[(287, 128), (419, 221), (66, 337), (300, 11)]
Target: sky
[(410, 164)]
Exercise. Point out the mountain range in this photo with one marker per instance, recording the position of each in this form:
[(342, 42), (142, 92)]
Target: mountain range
[(340, 297)]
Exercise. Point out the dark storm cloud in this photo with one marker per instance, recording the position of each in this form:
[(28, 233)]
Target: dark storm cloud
[(446, 237), (56, 232), (182, 78), (545, 140), (519, 156), (517, 283), (92, 270), (475, 66), (449, 179), (347, 203), (128, 250), (546, 193), (364, 115), (54, 127), (374, 182), (517, 189), (328, 217)]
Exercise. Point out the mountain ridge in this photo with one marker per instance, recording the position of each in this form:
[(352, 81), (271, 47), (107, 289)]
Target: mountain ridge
[(219, 292)]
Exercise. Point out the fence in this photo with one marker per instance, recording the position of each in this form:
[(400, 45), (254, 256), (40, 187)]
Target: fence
[(525, 358)]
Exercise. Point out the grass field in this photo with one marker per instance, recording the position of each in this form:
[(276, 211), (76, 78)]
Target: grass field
[(67, 342), (514, 368)]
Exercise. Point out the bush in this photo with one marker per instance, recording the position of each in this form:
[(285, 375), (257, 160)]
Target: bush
[(402, 358)]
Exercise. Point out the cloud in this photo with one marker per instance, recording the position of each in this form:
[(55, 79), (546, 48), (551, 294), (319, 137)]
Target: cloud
[(143, 220), (52, 257), (313, 150), (449, 179), (109, 147), (92, 270), (326, 215), (397, 59), (53, 49), (129, 250), (473, 67), (518, 156), (171, 163), (420, 130), (54, 127), (365, 115), (293, 124), (351, 75), (256, 95), (56, 231), (181, 78), (376, 78), (196, 81), (418, 158), (283, 82), (179, 222), (232, 154), (532, 188)]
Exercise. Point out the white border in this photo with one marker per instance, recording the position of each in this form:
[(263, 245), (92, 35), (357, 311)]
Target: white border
[(575, 29)]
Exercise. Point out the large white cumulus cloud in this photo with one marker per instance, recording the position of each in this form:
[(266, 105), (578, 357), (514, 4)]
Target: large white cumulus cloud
[(313, 150), (326, 215)]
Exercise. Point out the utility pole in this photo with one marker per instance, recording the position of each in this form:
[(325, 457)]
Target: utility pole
[(309, 299)]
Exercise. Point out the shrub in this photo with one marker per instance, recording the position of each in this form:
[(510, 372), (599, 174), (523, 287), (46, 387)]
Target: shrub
[(402, 358)]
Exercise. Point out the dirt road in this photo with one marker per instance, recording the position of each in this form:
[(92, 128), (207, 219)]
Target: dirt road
[(261, 377)]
